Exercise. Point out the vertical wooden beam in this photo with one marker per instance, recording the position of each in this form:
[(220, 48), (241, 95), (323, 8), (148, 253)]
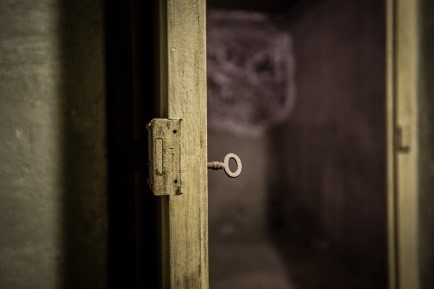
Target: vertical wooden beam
[(407, 157), (403, 142), (183, 96), (390, 131)]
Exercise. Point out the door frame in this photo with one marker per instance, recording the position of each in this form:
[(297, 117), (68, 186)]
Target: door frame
[(182, 95), (402, 33)]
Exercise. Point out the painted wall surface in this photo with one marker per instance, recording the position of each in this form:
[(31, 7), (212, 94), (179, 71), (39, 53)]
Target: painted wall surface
[(52, 145)]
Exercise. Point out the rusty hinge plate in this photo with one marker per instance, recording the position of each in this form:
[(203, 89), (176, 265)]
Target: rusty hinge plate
[(164, 149)]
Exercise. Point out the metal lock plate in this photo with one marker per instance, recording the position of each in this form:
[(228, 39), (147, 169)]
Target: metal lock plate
[(164, 150)]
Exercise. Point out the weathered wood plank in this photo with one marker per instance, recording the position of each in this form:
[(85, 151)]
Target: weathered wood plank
[(403, 143), (183, 96)]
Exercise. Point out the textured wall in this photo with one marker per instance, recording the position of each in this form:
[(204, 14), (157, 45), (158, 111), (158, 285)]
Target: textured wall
[(251, 71), (52, 148)]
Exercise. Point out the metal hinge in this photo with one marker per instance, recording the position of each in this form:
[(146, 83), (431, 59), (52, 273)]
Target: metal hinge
[(164, 149), (403, 138)]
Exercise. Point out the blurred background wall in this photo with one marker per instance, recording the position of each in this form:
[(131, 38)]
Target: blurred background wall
[(53, 173)]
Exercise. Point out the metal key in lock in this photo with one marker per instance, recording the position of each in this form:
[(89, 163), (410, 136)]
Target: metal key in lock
[(165, 158), (215, 165)]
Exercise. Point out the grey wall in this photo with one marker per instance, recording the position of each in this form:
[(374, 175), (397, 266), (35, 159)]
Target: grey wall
[(52, 148)]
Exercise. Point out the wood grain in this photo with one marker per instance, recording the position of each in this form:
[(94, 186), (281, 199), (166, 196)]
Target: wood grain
[(402, 113), (183, 96)]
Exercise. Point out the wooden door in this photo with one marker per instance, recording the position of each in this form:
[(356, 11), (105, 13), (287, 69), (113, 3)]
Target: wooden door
[(402, 136), (182, 95)]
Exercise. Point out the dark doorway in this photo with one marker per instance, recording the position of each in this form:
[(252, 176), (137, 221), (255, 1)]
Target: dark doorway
[(309, 210)]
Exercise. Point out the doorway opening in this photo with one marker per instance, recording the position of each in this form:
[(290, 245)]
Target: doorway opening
[(297, 90)]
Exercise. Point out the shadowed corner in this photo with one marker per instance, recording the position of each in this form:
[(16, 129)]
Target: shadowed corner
[(83, 143), (130, 83), (108, 214), (121, 248)]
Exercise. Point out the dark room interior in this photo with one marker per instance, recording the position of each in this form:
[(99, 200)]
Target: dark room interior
[(309, 210)]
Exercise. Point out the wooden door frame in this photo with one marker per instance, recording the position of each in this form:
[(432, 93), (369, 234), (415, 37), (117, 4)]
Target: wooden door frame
[(182, 95), (402, 142)]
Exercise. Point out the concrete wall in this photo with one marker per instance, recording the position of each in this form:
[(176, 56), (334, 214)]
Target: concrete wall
[(52, 145)]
